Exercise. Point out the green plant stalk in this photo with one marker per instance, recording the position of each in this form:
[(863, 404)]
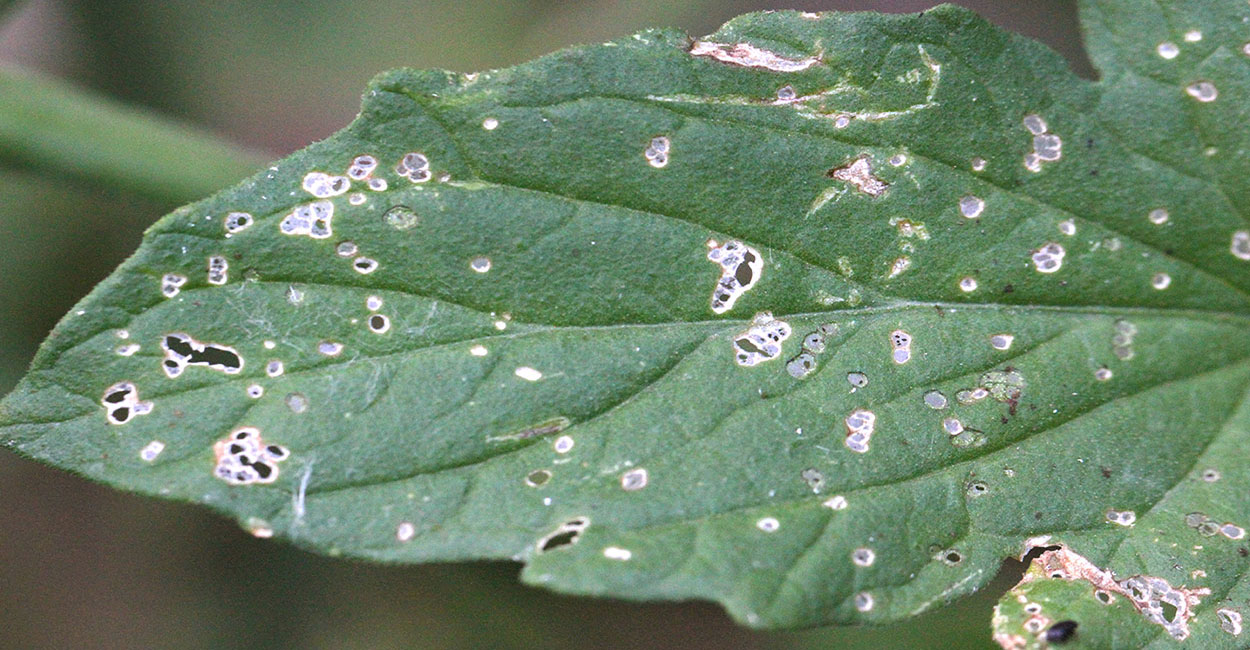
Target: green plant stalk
[(50, 127)]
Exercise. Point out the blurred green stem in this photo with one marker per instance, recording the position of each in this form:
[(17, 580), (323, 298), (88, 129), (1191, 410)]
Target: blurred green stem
[(49, 127)]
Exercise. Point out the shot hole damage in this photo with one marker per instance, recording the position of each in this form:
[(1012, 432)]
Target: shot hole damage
[(761, 341), (566, 534), (182, 351), (741, 267), (122, 404), (243, 458)]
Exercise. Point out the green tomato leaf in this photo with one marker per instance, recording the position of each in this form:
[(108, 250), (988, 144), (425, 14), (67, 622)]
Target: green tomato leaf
[(820, 317)]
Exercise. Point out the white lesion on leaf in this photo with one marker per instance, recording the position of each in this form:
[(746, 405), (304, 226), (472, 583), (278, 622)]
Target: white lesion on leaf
[(122, 404), (858, 173), (741, 267), (749, 56), (761, 341), (243, 458)]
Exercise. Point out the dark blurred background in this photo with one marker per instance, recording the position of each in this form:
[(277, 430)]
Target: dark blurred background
[(83, 566)]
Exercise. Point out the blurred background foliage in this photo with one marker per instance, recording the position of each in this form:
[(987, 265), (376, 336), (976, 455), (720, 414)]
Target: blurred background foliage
[(84, 566)]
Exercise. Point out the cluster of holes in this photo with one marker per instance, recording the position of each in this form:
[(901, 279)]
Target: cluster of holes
[(1048, 258), (860, 425), (217, 270), (741, 267), (311, 219), (121, 403), (243, 458), (858, 173), (181, 351), (656, 152), (1208, 527), (1047, 146), (804, 363), (237, 222), (761, 341), (415, 167), (171, 284)]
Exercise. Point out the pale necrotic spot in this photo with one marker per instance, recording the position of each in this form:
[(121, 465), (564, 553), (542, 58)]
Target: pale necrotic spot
[(860, 425), (1203, 91), (1160, 281), (294, 295), (237, 222), (296, 402), (122, 404), (802, 365), (127, 350), (478, 350), (656, 152), (858, 173), (361, 167), (762, 341), (741, 267), (538, 478), (377, 184), (971, 206), (171, 284), (897, 160), (364, 265), (900, 264), (863, 556), (863, 601), (151, 450), (768, 524), (857, 379), (311, 219), (750, 56), (1211, 475), (357, 199), (900, 342), (1048, 258), (490, 124), (563, 444), (1001, 341), (617, 553), (565, 534), (634, 480), (934, 399), (243, 458), (415, 167), (181, 351), (1168, 50), (1240, 248), (968, 284), (1193, 36), (324, 186), (786, 94), (1158, 216), (969, 396), (1047, 146), (373, 303), (1230, 620), (255, 391), (527, 373), (1232, 531), (836, 502), (1122, 517), (978, 164), (274, 368), (1067, 227), (330, 348), (1102, 374), (405, 531), (217, 270), (480, 264), (952, 426), (379, 324), (346, 249)]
